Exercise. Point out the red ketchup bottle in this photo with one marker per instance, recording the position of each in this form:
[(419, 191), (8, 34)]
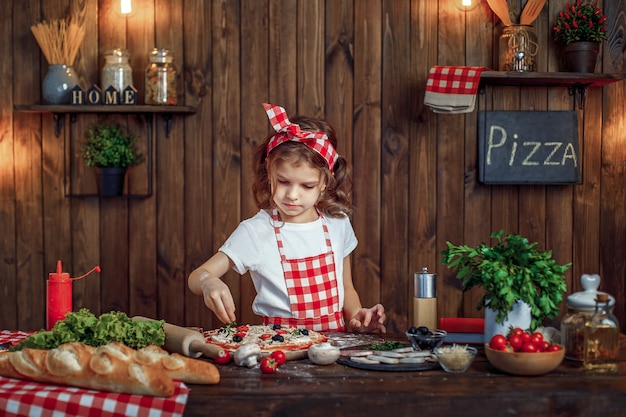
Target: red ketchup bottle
[(59, 294)]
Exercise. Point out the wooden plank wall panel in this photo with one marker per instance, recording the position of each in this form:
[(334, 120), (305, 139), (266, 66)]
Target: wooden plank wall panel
[(142, 212), (84, 212), (450, 157), (479, 31), (198, 167), (422, 243), (362, 65), (226, 127), (255, 53), (113, 211), (395, 163), (27, 155), (613, 191), (8, 272), (366, 259), (171, 182)]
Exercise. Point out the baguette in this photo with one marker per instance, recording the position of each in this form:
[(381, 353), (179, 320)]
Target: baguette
[(176, 366), (84, 366)]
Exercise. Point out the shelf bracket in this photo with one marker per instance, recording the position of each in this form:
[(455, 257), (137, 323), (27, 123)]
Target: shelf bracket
[(580, 93), (59, 120), (167, 124)]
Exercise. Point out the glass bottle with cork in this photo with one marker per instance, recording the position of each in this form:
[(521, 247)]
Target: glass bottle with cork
[(601, 352)]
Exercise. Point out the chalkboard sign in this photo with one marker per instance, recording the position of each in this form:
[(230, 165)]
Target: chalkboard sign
[(528, 147)]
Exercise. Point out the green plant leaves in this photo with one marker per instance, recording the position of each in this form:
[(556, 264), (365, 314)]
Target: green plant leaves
[(512, 269), (107, 145)]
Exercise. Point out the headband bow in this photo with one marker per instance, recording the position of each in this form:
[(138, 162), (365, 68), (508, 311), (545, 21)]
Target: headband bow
[(318, 141)]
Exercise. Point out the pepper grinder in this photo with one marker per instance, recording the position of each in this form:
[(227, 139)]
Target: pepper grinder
[(425, 299)]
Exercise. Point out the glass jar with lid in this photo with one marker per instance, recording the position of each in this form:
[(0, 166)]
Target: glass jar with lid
[(518, 47), (581, 306), (601, 352), (116, 71), (161, 83)]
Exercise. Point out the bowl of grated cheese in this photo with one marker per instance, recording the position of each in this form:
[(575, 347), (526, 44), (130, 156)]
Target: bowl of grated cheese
[(455, 358)]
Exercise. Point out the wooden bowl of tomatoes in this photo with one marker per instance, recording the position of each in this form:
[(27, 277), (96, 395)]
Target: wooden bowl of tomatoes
[(524, 353)]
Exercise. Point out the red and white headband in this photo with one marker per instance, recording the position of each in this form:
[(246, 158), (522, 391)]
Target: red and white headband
[(318, 141)]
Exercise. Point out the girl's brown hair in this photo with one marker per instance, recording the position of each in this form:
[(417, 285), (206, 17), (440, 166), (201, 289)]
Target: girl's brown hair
[(335, 199)]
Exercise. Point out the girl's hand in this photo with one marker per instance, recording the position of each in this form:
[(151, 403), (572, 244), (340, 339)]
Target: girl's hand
[(367, 320), (218, 298)]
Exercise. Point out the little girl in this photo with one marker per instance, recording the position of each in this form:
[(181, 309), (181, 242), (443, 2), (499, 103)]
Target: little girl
[(297, 247)]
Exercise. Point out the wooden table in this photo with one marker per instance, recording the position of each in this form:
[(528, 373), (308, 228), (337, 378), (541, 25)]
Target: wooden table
[(302, 389)]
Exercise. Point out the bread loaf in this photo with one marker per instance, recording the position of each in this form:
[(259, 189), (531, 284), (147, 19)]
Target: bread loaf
[(113, 367), (83, 366)]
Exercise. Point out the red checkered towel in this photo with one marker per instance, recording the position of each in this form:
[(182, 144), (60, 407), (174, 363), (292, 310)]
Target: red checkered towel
[(452, 89)]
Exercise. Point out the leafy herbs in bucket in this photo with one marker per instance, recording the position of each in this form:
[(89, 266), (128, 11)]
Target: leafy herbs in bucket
[(513, 269), (83, 326)]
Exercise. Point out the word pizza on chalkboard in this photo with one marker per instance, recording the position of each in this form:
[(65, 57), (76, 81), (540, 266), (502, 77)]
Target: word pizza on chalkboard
[(528, 147)]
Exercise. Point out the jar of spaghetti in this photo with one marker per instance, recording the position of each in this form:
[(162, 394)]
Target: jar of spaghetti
[(161, 78), (116, 71), (518, 49)]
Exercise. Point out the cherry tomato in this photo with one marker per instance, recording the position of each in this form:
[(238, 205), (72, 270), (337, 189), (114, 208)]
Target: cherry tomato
[(268, 365), (553, 348), (498, 342), (279, 357), (223, 357), (526, 337), (542, 346), (516, 342), (517, 331), (536, 338), (529, 347)]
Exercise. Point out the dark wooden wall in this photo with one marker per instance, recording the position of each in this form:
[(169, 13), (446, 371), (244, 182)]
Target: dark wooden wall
[(362, 64)]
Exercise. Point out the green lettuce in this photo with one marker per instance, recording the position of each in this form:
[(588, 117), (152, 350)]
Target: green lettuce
[(83, 326)]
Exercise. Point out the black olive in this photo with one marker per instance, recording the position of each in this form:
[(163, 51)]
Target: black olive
[(278, 338), (276, 326), (237, 338), (423, 330), (413, 330), (304, 332)]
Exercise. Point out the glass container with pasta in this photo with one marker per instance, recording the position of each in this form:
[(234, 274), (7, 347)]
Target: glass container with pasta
[(161, 79)]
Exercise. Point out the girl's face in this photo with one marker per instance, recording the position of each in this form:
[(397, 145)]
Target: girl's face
[(296, 191)]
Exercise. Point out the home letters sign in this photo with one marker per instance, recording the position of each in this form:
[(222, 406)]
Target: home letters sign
[(528, 147)]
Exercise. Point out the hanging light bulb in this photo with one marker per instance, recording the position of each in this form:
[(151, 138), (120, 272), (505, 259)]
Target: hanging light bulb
[(126, 6), (466, 5)]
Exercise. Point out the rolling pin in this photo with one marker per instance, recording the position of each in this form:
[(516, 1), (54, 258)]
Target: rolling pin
[(187, 342)]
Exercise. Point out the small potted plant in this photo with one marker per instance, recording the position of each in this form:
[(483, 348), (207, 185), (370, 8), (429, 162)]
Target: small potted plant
[(580, 28), (512, 271), (111, 150)]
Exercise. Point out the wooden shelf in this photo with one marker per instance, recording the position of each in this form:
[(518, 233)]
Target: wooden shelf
[(59, 112), (547, 79), (576, 82)]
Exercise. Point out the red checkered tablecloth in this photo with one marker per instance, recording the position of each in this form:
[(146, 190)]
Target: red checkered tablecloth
[(24, 399)]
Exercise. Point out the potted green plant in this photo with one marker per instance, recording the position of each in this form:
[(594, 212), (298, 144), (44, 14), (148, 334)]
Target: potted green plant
[(580, 28), (111, 150), (511, 271)]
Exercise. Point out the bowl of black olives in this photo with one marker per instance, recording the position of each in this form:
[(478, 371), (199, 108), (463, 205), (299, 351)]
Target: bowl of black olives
[(422, 338)]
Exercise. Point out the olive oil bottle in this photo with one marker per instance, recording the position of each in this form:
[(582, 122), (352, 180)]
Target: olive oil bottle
[(601, 343)]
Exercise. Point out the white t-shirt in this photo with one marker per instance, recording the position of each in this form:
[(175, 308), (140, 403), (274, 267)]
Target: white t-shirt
[(252, 247)]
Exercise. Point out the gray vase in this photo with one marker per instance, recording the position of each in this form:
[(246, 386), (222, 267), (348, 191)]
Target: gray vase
[(58, 84)]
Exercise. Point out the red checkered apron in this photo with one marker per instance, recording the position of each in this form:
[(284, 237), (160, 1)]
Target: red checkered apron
[(312, 288)]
